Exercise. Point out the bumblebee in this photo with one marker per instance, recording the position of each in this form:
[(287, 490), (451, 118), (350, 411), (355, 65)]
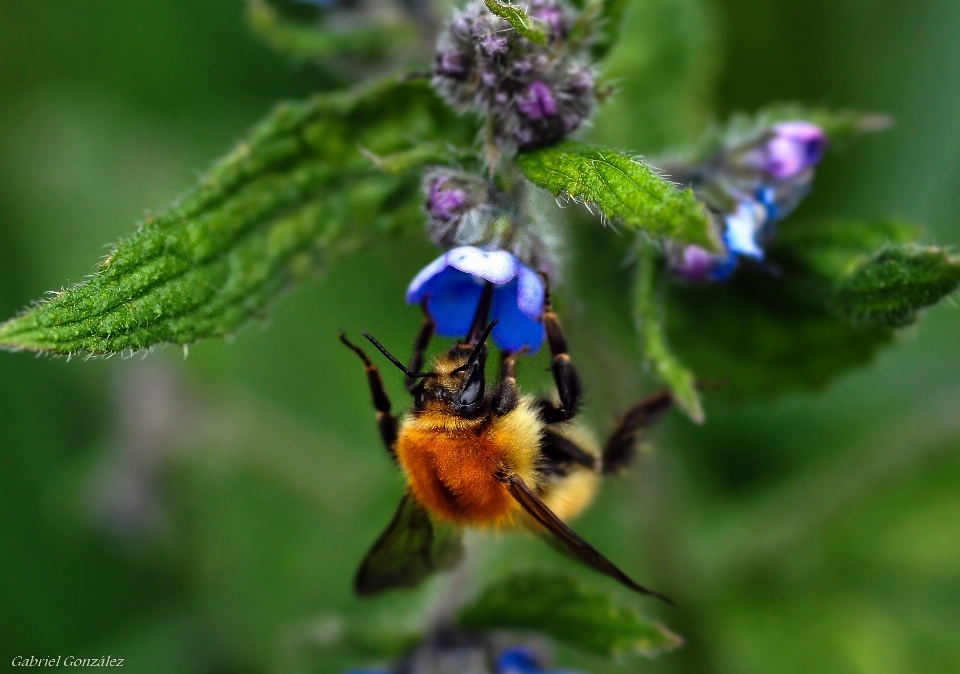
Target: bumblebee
[(476, 457)]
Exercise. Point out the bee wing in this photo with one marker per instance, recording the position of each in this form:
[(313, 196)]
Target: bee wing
[(538, 510), (412, 548)]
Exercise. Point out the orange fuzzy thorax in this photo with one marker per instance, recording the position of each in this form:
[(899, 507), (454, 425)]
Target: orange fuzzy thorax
[(452, 463)]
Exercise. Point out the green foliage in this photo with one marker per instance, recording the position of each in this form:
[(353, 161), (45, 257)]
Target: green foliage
[(765, 335), (890, 287), (869, 271), (609, 18), (305, 41), (622, 188), (298, 190), (516, 17), (648, 317), (570, 611)]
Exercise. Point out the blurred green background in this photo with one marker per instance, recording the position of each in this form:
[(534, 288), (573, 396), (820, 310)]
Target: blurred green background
[(205, 514)]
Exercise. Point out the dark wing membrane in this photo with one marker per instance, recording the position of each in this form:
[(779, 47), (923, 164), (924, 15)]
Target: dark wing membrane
[(585, 552), (412, 548)]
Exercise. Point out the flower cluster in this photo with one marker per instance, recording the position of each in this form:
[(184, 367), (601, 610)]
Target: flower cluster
[(532, 94), (749, 185)]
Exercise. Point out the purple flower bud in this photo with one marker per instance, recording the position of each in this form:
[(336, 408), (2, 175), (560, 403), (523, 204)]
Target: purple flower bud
[(452, 64), (793, 148), (695, 263), (446, 200), (494, 45), (537, 101)]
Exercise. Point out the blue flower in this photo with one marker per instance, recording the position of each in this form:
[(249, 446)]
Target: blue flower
[(452, 286)]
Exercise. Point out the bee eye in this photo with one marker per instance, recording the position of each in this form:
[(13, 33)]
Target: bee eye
[(473, 390)]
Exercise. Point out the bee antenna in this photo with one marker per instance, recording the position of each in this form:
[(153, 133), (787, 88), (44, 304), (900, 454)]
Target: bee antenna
[(393, 359), (476, 350)]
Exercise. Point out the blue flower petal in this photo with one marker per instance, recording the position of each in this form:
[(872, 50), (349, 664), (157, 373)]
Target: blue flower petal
[(518, 661), (515, 329), (452, 300), (742, 227), (420, 285), (496, 266), (530, 293)]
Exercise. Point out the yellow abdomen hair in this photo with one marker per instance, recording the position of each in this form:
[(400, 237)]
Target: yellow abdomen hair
[(452, 463)]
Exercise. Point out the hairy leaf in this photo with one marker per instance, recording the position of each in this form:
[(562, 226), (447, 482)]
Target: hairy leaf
[(869, 271), (621, 187), (765, 335), (649, 321), (516, 17), (570, 611), (296, 190)]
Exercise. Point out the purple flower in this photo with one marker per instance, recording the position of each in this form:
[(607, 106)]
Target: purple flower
[(446, 200), (494, 45), (694, 263), (792, 148), (453, 283), (537, 101), (452, 64), (553, 17)]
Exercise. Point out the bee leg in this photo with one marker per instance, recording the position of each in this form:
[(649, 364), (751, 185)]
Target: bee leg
[(385, 420), (420, 347), (622, 445), (508, 395), (564, 373)]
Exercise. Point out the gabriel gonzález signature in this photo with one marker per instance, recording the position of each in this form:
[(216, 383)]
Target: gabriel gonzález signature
[(69, 661)]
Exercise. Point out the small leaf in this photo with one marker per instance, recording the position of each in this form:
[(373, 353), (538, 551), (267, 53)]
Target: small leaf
[(893, 285), (609, 18), (869, 271), (647, 314), (621, 187), (532, 30), (296, 190), (569, 611)]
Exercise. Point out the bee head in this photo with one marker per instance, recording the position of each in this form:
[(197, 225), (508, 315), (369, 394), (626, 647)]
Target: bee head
[(457, 382)]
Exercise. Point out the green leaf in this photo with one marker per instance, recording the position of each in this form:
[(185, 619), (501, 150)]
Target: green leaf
[(766, 336), (893, 285), (297, 192), (869, 271), (569, 611), (609, 19), (621, 187), (648, 317), (516, 17)]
